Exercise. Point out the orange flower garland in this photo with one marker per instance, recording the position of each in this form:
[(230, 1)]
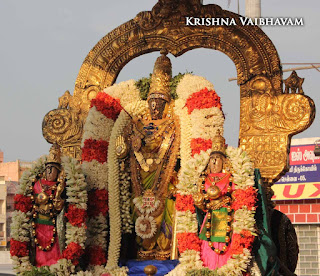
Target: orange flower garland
[(203, 99), (185, 203)]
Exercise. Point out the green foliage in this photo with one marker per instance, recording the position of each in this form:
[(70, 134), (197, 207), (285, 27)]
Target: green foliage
[(38, 271), (144, 85), (202, 272)]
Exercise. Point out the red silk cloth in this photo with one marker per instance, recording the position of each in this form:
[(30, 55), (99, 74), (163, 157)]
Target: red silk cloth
[(44, 235)]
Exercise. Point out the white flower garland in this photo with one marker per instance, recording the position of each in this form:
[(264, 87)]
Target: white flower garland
[(146, 227), (76, 194), (114, 193)]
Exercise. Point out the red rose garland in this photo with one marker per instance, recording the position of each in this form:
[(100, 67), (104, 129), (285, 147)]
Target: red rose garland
[(19, 249), (97, 203), (22, 203), (107, 105), (96, 255), (76, 216), (73, 252), (95, 149)]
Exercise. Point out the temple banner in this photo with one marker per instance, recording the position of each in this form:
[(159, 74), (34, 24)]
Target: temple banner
[(302, 181)]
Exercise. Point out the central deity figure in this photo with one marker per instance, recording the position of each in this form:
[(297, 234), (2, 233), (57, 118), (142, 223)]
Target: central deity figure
[(151, 144)]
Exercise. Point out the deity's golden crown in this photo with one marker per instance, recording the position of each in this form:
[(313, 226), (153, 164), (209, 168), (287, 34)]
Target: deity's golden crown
[(161, 77), (218, 143), (54, 157)]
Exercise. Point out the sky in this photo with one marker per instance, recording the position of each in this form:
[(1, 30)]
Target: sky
[(43, 44)]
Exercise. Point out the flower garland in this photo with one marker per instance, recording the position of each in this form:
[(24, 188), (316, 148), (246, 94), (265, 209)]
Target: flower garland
[(105, 121), (75, 227), (206, 118)]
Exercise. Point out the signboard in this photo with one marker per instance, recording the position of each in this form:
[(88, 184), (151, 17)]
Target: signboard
[(303, 179)]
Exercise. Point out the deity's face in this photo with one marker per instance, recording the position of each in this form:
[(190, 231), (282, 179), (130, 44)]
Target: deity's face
[(51, 173), (156, 107), (216, 163)]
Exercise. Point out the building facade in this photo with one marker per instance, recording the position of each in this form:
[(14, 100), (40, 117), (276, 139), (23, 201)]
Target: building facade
[(10, 173), (297, 194)]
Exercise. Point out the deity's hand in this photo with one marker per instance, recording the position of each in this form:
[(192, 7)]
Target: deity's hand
[(121, 147), (198, 199), (58, 202)]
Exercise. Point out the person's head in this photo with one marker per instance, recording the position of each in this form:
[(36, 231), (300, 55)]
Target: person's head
[(52, 171), (216, 162)]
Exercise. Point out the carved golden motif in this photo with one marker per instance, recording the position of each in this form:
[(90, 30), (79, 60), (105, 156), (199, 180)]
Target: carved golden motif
[(268, 116), (267, 122), (294, 83)]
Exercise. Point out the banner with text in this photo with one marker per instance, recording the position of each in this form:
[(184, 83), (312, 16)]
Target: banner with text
[(302, 181)]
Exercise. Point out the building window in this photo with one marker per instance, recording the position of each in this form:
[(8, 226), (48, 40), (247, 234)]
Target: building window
[(309, 249)]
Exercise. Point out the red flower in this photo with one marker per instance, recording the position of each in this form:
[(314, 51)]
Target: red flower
[(240, 241), (19, 249), (22, 203), (184, 203), (199, 144), (188, 241), (97, 255), (107, 105), (95, 149), (73, 252), (247, 197), (76, 216), (97, 203), (203, 99)]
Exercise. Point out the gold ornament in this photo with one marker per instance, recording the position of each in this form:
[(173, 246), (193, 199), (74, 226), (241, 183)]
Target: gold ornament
[(161, 77), (54, 158), (219, 143), (214, 192)]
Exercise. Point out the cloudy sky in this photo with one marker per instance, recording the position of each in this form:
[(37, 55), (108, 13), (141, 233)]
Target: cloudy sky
[(43, 44)]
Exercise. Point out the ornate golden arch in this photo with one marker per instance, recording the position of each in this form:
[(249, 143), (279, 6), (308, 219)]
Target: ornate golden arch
[(268, 117)]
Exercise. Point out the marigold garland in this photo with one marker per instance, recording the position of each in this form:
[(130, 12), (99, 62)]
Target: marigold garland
[(185, 203), (203, 99), (240, 241), (198, 144), (247, 197), (188, 241)]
